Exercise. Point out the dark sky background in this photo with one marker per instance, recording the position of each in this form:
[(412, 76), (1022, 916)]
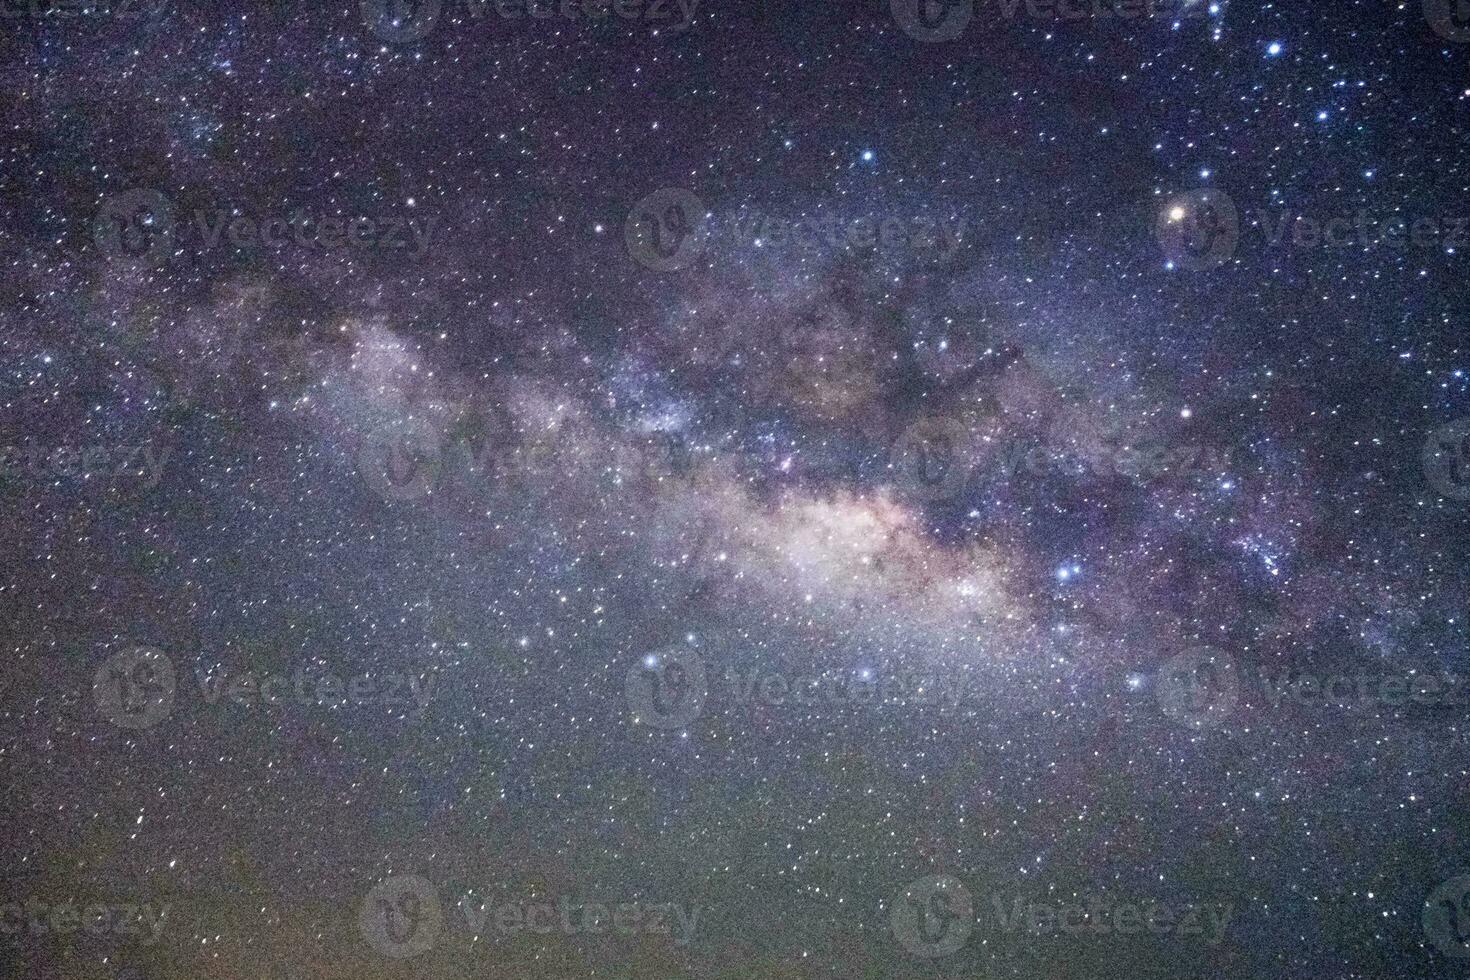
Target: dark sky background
[(768, 462)]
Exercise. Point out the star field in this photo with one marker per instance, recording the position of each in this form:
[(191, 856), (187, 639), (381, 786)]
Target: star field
[(678, 488)]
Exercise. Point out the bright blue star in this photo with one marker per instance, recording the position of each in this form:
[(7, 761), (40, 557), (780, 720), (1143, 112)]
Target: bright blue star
[(1274, 50)]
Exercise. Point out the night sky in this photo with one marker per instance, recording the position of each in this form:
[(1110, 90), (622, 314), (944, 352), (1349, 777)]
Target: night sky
[(770, 489)]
